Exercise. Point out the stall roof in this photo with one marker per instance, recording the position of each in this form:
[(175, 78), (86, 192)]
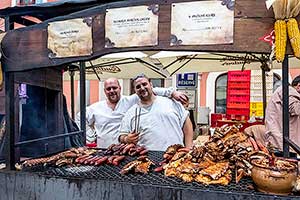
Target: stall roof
[(26, 48), (49, 10)]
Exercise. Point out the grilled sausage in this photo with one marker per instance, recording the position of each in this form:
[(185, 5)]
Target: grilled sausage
[(145, 151), (80, 158), (159, 169), (92, 162), (132, 152), (167, 156), (117, 160), (110, 159), (101, 161), (184, 149), (127, 148), (163, 162), (84, 159), (88, 161), (139, 149)]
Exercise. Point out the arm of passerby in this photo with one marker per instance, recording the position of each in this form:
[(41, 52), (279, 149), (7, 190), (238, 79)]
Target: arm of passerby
[(294, 106), (188, 133), (165, 92), (171, 93)]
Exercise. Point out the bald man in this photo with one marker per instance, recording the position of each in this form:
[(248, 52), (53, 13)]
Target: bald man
[(105, 116)]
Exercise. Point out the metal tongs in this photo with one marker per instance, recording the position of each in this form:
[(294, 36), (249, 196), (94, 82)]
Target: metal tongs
[(137, 118)]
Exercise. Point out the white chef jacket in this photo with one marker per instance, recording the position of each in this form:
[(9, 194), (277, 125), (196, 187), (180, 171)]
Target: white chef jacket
[(160, 123)]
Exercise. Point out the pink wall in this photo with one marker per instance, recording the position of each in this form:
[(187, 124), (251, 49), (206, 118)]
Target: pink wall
[(202, 93), (294, 72)]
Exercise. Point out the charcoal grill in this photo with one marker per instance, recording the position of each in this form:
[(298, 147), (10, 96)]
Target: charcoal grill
[(112, 173)]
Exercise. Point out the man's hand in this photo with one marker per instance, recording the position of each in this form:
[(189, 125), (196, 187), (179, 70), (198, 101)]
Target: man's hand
[(181, 97), (132, 138)]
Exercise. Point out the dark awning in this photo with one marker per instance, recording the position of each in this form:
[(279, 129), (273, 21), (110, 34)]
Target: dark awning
[(49, 10)]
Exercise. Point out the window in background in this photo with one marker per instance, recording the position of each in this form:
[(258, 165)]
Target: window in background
[(27, 2), (158, 82), (220, 93)]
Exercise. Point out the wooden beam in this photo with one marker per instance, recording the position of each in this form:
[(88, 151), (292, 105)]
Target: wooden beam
[(24, 21)]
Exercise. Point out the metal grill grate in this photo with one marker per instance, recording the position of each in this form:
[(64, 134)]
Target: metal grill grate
[(112, 173)]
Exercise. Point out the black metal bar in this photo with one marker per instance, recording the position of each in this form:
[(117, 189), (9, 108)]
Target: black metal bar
[(183, 65), (82, 101), (150, 66), (233, 59), (173, 62), (47, 138), (72, 73), (10, 110), (237, 57), (9, 25), (93, 67), (10, 120), (244, 63), (285, 101), (114, 62), (104, 65), (293, 145), (264, 90)]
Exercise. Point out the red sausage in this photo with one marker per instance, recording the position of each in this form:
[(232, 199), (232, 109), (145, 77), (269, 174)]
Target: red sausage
[(145, 151), (117, 160), (101, 161)]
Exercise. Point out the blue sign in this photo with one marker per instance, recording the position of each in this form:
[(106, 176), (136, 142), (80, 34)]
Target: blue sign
[(187, 80)]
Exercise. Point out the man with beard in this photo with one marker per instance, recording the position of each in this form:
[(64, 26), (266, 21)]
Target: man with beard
[(273, 119), (155, 122), (105, 116)]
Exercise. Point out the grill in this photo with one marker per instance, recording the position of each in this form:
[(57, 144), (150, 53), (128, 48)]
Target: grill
[(112, 173)]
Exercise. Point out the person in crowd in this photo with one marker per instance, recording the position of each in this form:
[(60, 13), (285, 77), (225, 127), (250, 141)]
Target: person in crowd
[(105, 116), (273, 118), (258, 132), (2, 122), (155, 122)]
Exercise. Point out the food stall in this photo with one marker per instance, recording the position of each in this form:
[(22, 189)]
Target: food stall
[(35, 52)]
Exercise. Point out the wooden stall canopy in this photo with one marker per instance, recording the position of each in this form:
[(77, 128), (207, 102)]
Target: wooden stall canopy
[(26, 48), (45, 11)]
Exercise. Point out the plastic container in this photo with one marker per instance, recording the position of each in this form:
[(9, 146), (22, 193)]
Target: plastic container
[(238, 98), (245, 85), (241, 91), (239, 75), (256, 105), (238, 105), (214, 117), (238, 111)]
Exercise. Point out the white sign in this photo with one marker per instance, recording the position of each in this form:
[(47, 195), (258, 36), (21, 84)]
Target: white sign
[(131, 26), (202, 23), (70, 38)]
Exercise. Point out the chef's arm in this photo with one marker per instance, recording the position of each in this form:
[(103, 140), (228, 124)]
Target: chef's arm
[(171, 93), (188, 133), (129, 138)]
